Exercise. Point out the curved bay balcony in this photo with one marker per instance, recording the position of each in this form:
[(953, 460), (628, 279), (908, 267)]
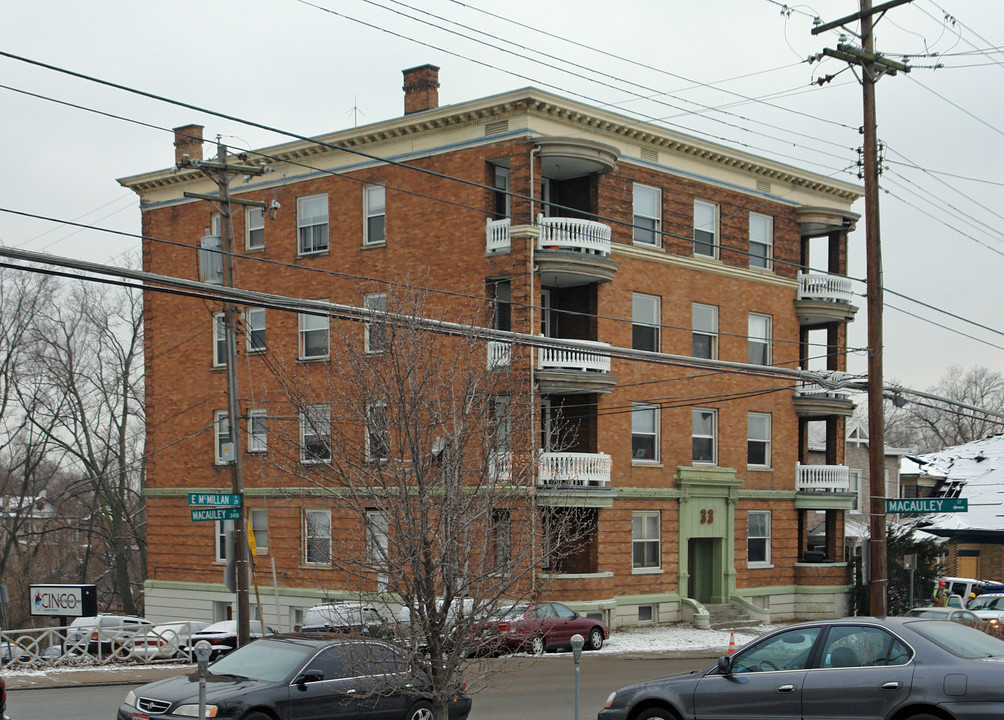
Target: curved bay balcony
[(814, 401), (822, 478), (573, 469), (824, 298), (577, 366), (569, 251)]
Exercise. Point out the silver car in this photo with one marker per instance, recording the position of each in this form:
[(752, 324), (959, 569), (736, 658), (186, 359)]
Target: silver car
[(167, 640), (855, 668)]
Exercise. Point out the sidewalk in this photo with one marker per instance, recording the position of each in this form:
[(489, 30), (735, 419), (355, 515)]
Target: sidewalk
[(108, 675)]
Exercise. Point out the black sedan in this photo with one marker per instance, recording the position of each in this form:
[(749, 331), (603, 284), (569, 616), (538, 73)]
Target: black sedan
[(876, 668), (297, 677)]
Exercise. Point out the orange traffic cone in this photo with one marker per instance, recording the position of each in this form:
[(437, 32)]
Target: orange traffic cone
[(732, 643)]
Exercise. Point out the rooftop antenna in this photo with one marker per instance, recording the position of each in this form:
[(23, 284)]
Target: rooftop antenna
[(355, 112)]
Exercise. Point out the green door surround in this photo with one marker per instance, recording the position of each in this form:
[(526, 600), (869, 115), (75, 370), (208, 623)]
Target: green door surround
[(708, 498)]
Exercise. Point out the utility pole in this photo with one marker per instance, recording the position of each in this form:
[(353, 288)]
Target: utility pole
[(873, 66), (220, 172)]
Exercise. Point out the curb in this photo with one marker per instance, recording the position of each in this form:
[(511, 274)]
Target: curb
[(92, 677)]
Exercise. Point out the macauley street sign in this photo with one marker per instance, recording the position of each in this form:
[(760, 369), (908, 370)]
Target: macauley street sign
[(216, 514), (215, 499), (927, 505)]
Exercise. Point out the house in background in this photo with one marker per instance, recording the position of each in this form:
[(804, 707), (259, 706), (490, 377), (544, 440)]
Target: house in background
[(572, 222)]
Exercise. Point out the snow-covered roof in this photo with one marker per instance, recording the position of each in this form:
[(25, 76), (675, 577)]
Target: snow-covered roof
[(974, 471)]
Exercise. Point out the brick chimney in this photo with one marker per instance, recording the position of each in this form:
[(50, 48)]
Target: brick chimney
[(188, 141), (421, 89)]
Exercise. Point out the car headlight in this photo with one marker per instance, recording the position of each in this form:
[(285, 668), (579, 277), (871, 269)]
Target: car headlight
[(193, 710), (131, 699), (610, 699)]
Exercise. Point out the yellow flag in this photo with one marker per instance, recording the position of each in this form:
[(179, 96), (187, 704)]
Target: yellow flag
[(251, 542)]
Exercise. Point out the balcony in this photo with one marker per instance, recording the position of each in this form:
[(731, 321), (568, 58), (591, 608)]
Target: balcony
[(815, 401), (499, 354), (822, 478), (567, 469), (569, 251), (824, 299), (580, 366)]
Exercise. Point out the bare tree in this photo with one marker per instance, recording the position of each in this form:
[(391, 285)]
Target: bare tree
[(427, 453)]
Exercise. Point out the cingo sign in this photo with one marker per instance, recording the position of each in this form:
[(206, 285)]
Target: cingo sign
[(64, 600)]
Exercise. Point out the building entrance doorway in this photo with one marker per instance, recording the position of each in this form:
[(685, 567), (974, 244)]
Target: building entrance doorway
[(705, 567)]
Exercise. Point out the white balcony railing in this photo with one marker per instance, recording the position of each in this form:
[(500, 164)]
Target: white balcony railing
[(818, 286), (497, 236), (822, 478), (566, 468), (573, 234), (586, 356), (499, 354), (809, 389)]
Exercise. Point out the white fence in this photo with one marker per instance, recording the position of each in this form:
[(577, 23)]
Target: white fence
[(822, 478), (567, 468), (67, 646), (585, 356)]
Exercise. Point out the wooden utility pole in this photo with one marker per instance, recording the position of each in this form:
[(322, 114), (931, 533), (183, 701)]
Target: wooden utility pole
[(872, 67)]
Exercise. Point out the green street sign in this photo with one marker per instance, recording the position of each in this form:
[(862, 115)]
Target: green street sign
[(202, 514), (214, 499), (926, 505)]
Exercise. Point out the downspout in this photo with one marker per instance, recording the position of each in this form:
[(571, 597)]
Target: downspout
[(533, 390)]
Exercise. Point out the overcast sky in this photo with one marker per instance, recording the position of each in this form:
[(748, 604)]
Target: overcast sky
[(732, 71)]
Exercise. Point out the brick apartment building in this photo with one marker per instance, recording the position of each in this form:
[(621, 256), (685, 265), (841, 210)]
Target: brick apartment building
[(579, 223)]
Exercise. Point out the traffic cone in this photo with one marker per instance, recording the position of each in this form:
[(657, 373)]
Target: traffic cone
[(732, 643)]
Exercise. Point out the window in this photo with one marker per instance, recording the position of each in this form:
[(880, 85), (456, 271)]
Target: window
[(257, 435), (255, 319), (377, 432), (503, 423), (313, 336), (502, 294), (646, 321), (219, 340), (223, 530), (705, 422), (312, 224), (376, 538), (758, 439), (375, 210), (704, 321), (646, 613), (789, 650), (761, 240), (255, 223), (376, 330), (647, 219), (259, 528), (759, 339), (224, 448), (315, 443), (501, 536), (317, 537), (758, 537), (859, 498), (646, 540), (850, 646), (644, 432), (705, 229), (501, 194)]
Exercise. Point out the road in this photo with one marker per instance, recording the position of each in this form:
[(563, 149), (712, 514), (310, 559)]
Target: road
[(542, 690)]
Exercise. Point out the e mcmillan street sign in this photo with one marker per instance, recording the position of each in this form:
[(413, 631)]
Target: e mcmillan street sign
[(214, 499), (926, 505)]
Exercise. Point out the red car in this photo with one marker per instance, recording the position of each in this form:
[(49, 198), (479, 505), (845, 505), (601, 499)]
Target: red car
[(538, 627)]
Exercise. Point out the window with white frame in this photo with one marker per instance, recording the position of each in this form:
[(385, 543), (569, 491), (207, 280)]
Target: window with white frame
[(761, 240), (646, 321), (759, 339), (254, 219), (501, 538), (317, 537), (223, 528), (315, 434), (500, 181), (257, 431), (375, 212), (377, 432), (219, 340), (856, 490), (758, 439), (312, 224), (377, 545), (647, 219), (705, 424), (221, 423), (704, 321), (501, 291), (259, 528), (314, 335), (758, 537), (376, 330), (705, 229), (255, 329), (646, 540), (644, 432)]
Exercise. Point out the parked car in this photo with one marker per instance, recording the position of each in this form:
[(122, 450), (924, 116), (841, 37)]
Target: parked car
[(166, 641), (223, 637), (537, 627), (951, 614), (903, 667), (104, 634), (346, 616), (298, 675), (989, 607)]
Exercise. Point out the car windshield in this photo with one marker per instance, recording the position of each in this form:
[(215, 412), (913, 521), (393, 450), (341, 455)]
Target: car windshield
[(985, 603), (263, 660), (960, 640)]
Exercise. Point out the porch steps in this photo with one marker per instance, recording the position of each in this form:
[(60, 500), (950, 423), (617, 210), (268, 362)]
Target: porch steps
[(729, 617)]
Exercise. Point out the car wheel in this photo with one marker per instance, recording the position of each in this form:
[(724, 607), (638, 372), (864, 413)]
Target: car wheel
[(660, 714), (537, 645), (419, 711), (595, 639)]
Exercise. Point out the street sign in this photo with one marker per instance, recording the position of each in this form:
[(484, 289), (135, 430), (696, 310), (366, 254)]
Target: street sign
[(926, 505), (216, 514), (214, 499), (63, 600)]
